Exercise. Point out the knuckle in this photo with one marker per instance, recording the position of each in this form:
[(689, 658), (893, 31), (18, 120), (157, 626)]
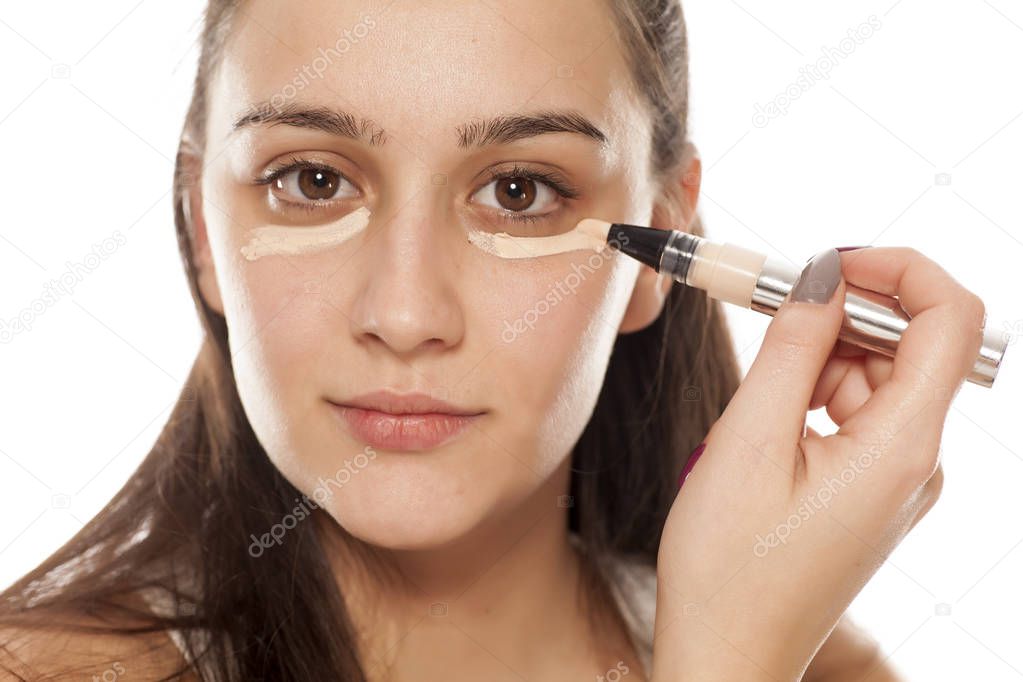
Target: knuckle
[(934, 486), (916, 471), (789, 344), (972, 310), (929, 493), (970, 315), (909, 253), (967, 306)]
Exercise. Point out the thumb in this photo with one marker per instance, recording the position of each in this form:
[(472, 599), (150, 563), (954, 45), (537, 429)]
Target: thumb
[(771, 403)]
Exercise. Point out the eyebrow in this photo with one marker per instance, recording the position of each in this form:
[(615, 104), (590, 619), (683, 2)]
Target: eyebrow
[(339, 123), (476, 133), (505, 129)]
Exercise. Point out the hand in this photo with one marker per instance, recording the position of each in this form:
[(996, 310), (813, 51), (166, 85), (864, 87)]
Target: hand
[(775, 531), (850, 654)]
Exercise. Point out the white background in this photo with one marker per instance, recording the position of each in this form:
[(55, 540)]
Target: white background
[(914, 139)]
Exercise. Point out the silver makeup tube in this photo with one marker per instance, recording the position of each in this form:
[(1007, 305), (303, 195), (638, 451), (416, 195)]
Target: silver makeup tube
[(872, 320)]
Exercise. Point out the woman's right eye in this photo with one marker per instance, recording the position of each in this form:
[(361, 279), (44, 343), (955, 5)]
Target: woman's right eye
[(312, 184)]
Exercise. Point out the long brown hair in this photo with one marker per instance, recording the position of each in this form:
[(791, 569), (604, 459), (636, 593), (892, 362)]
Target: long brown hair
[(207, 483)]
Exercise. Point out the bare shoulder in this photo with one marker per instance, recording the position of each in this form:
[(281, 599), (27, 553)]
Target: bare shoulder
[(64, 653)]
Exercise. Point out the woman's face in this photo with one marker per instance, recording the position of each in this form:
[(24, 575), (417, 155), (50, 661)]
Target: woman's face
[(408, 304)]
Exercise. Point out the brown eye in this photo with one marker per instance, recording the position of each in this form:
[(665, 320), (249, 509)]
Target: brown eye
[(317, 183), (313, 185), (515, 194), (518, 195)]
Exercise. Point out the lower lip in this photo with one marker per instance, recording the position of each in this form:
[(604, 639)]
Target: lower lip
[(403, 431)]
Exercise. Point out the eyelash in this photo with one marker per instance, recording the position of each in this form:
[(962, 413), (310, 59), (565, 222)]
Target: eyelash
[(297, 163), (553, 180)]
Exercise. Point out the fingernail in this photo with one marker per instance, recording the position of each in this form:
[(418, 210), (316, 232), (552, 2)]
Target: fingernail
[(819, 279), (847, 248), (693, 456)]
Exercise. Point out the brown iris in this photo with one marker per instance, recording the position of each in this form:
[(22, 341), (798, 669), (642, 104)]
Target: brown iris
[(515, 194), (317, 183)]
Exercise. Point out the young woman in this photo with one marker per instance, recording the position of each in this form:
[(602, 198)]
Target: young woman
[(399, 457)]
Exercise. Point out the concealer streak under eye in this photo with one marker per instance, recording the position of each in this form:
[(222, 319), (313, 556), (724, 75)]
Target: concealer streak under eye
[(283, 240), (587, 234)]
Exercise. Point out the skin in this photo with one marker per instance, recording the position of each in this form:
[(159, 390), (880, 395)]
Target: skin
[(890, 414), (410, 304)]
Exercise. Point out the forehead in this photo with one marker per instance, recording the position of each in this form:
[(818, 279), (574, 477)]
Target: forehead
[(422, 68)]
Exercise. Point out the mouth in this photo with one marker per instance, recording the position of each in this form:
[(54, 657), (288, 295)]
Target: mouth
[(403, 421)]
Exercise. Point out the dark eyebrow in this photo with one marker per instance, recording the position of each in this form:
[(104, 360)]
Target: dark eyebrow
[(505, 129), (476, 133), (339, 123)]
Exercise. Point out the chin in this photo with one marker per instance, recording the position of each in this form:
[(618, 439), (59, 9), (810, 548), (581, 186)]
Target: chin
[(409, 505)]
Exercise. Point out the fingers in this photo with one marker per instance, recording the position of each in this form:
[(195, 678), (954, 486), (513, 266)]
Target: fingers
[(937, 350), (848, 381), (771, 403), (849, 395), (878, 368), (834, 373)]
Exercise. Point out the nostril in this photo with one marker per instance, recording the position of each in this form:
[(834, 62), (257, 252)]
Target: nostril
[(403, 343)]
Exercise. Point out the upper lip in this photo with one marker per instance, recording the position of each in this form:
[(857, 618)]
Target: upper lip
[(405, 403)]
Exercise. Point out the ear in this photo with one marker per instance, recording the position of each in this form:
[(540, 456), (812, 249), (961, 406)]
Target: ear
[(675, 209), (195, 222)]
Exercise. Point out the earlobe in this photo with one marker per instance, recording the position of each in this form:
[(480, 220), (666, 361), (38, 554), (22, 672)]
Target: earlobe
[(651, 288), (647, 300), (202, 257), (676, 209)]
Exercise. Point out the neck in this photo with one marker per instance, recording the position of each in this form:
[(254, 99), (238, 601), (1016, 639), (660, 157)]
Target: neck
[(506, 594)]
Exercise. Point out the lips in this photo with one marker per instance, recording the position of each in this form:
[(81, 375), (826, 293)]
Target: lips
[(406, 422)]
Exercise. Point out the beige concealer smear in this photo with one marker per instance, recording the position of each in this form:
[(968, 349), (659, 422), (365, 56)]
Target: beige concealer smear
[(283, 240), (587, 234)]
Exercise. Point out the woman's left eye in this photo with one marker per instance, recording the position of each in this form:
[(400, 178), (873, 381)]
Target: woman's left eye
[(517, 195), (307, 184), (524, 195)]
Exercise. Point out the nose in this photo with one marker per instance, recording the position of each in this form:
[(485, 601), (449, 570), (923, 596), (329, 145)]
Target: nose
[(406, 297)]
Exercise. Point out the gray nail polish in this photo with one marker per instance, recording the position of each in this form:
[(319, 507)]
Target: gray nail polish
[(819, 279)]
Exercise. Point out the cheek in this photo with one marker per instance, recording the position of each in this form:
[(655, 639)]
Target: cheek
[(553, 325), (278, 320), (275, 305)]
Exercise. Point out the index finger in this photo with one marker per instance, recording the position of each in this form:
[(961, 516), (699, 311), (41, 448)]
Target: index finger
[(937, 350)]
